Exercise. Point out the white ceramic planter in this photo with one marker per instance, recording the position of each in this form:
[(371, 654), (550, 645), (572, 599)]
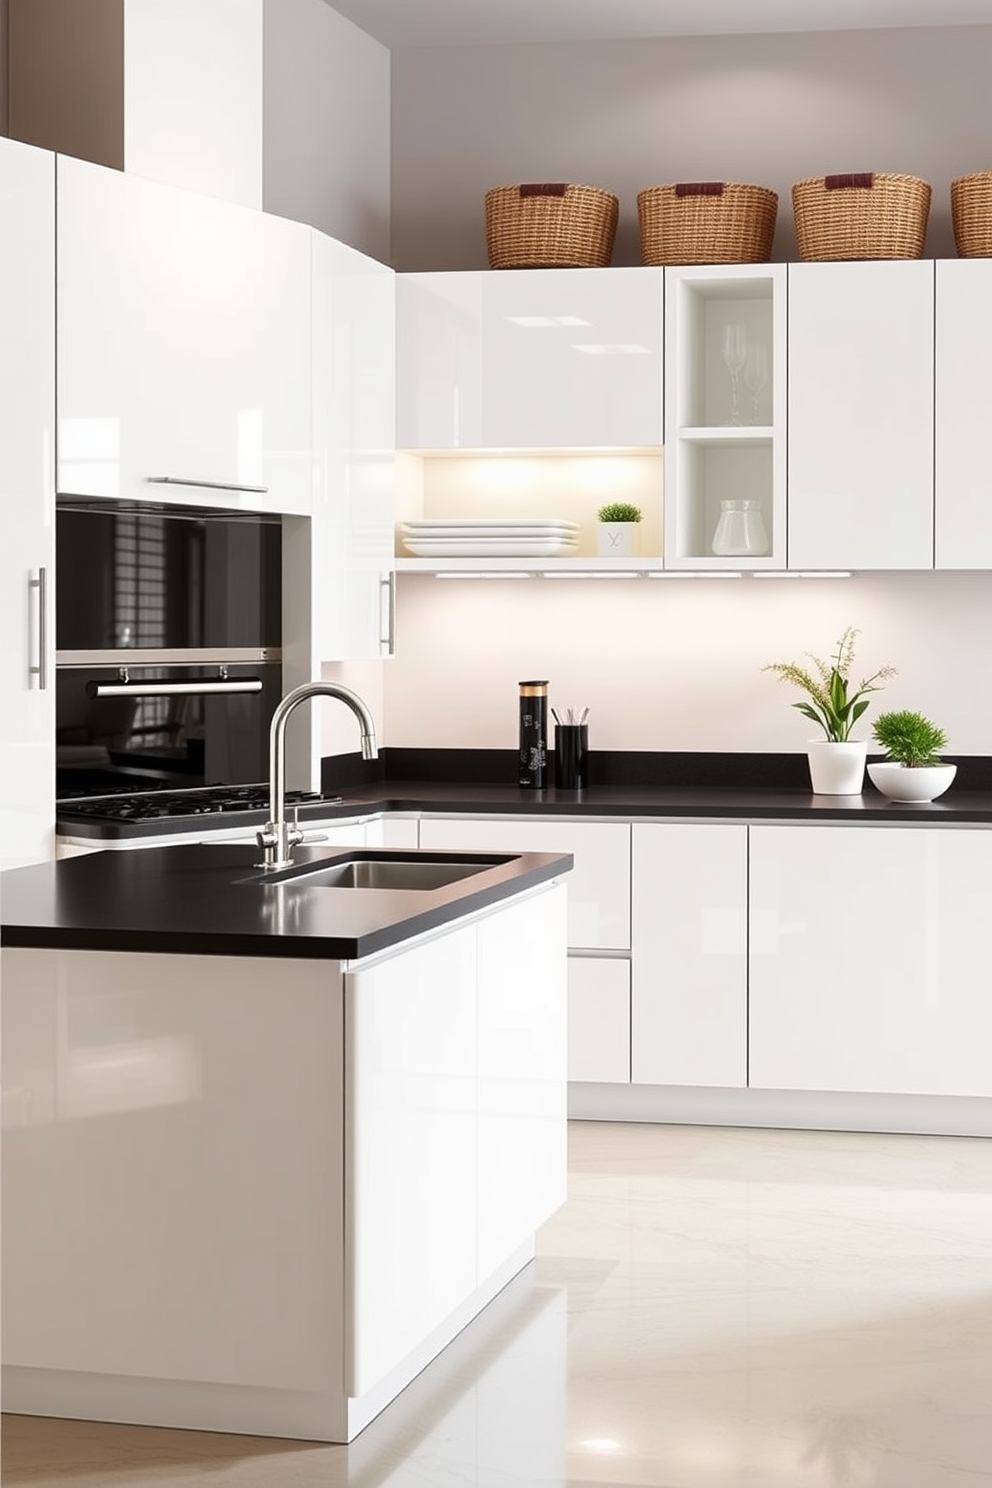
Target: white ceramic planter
[(615, 539), (916, 783), (836, 769)]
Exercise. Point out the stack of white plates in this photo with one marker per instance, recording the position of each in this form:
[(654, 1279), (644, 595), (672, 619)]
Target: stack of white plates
[(491, 537)]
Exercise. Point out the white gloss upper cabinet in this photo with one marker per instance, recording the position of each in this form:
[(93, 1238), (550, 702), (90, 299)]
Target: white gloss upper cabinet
[(27, 555), (689, 954), (183, 346), (439, 361), (963, 516), (353, 438), (530, 359), (572, 358), (861, 390), (869, 952)]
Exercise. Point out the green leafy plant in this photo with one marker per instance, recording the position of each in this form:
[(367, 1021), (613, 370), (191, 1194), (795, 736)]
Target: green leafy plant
[(909, 739), (831, 703), (619, 511)]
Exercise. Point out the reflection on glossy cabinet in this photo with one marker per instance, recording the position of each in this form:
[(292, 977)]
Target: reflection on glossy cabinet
[(599, 1019), (689, 954), (861, 390), (598, 886), (27, 557), (868, 959), (525, 359), (963, 511), (183, 346)]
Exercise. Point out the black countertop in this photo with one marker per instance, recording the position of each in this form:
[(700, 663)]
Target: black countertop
[(676, 803), (625, 784), (211, 900)]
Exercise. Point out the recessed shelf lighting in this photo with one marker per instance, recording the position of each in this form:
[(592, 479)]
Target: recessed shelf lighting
[(803, 573), (693, 573)]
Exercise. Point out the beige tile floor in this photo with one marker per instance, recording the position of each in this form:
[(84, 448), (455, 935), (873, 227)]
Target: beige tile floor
[(711, 1309)]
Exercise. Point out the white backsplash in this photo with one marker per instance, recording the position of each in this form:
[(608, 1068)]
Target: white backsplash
[(676, 664)]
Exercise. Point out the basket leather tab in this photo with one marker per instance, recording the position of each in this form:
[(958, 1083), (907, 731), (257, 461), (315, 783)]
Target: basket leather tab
[(864, 179), (544, 188), (699, 188)]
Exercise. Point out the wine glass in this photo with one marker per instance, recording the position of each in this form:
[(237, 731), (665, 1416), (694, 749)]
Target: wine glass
[(734, 358), (756, 375)]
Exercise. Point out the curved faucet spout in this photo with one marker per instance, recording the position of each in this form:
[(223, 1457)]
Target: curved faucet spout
[(277, 837)]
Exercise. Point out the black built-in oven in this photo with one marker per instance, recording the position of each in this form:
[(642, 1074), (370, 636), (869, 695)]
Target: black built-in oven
[(168, 647)]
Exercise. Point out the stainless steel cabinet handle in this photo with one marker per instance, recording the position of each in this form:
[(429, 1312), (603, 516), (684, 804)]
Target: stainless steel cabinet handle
[(387, 642), (41, 669), (177, 480)]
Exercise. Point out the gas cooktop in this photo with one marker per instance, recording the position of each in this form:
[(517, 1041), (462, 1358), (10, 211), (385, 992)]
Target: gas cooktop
[(144, 806)]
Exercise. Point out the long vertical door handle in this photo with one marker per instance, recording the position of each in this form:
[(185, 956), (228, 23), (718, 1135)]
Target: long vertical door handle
[(40, 670), (387, 642)]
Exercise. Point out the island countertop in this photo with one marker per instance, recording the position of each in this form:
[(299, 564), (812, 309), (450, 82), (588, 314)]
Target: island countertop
[(213, 900)]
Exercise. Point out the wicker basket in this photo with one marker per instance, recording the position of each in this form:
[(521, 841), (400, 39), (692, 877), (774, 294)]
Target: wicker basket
[(550, 226), (706, 222), (861, 216), (971, 213)]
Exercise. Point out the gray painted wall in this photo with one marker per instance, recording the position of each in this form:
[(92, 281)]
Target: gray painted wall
[(767, 109), (326, 117)]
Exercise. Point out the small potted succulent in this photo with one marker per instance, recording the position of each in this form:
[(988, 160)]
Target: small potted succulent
[(836, 762), (617, 524), (912, 769)]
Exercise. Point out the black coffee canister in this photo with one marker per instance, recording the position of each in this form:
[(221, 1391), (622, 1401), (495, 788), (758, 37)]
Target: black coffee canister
[(533, 735)]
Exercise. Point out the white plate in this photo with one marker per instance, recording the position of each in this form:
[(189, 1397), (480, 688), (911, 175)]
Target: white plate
[(496, 547), (487, 524), (475, 534)]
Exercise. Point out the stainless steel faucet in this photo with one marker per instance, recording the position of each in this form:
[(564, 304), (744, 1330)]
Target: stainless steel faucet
[(277, 836)]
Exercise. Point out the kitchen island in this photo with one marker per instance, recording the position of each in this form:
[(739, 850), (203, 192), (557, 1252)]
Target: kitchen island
[(270, 1142)]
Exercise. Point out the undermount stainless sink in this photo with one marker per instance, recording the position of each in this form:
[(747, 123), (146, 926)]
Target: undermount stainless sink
[(371, 870)]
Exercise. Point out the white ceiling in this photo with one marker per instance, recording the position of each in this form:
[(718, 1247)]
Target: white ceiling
[(405, 23)]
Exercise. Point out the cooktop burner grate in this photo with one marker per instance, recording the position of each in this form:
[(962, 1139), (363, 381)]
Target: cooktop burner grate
[(198, 801)]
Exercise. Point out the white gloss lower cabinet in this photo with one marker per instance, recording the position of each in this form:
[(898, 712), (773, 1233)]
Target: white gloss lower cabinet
[(599, 1019), (410, 1164), (598, 886), (860, 415), (27, 555), (455, 1122), (869, 953), (689, 954)]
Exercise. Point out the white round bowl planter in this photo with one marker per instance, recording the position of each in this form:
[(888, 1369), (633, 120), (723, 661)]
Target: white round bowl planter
[(911, 783)]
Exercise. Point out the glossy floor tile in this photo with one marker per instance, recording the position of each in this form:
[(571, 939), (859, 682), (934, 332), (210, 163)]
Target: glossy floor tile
[(711, 1309)]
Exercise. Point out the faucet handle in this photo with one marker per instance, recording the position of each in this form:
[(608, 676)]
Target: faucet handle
[(294, 833)]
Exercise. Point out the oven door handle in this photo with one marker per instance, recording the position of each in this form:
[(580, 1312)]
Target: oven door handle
[(204, 485)]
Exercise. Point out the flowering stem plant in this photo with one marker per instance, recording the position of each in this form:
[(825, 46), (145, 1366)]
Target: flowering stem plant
[(830, 703)]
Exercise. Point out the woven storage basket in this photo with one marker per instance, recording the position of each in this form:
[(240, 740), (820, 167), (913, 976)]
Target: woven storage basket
[(706, 222), (869, 215), (971, 213), (550, 226)]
